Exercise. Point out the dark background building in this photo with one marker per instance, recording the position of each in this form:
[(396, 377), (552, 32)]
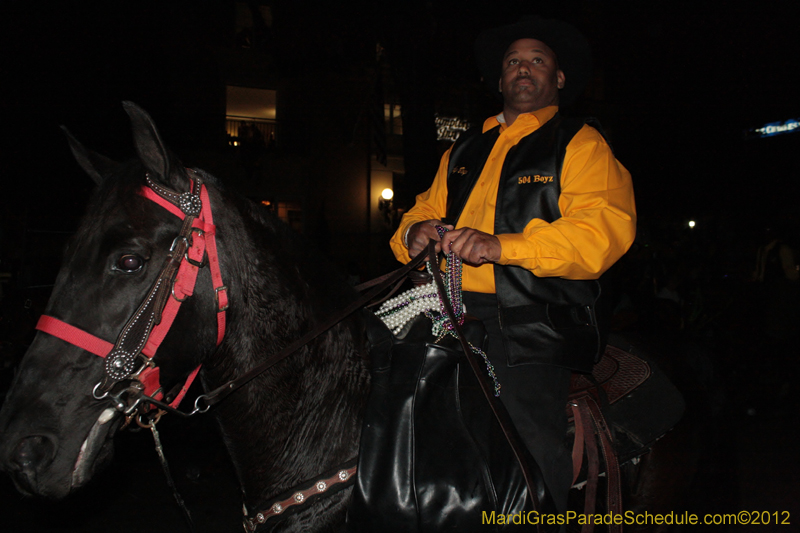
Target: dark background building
[(676, 86)]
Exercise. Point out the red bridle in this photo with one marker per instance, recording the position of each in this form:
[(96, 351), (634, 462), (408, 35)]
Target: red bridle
[(144, 332)]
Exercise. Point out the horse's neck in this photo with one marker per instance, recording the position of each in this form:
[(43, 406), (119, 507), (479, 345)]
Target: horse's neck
[(302, 416)]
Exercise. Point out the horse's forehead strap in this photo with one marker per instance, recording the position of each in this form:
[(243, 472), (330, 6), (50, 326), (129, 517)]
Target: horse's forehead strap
[(179, 204), (189, 203)]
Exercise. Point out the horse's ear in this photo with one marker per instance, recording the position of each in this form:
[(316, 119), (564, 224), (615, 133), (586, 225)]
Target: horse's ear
[(151, 150), (97, 166)]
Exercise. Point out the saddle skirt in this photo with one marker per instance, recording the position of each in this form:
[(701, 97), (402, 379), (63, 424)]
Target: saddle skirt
[(636, 398)]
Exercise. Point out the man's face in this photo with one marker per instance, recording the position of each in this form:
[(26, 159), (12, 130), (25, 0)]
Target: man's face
[(530, 78)]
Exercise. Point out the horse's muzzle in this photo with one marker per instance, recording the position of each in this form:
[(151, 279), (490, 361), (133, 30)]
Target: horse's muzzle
[(28, 459)]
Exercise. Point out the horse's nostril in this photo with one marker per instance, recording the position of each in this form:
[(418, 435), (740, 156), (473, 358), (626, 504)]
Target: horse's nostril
[(33, 452)]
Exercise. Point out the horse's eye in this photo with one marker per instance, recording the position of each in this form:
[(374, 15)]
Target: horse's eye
[(129, 263)]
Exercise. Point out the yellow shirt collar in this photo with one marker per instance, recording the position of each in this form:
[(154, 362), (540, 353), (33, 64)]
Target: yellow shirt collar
[(534, 118)]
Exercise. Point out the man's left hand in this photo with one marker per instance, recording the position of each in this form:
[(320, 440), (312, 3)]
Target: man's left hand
[(472, 246)]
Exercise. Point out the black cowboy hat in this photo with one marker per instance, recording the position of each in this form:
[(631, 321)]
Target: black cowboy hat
[(571, 48)]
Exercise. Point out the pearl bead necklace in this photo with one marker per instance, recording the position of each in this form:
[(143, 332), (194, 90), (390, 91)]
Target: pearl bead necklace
[(400, 310)]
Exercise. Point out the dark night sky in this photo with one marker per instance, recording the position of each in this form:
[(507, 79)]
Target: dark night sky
[(679, 82)]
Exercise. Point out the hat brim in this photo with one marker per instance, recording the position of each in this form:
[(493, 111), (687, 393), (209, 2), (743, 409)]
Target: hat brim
[(570, 46)]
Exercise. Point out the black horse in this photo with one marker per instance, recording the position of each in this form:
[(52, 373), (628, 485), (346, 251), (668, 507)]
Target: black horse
[(289, 424)]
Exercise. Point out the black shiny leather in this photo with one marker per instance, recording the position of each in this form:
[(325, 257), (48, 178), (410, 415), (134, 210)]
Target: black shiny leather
[(433, 456)]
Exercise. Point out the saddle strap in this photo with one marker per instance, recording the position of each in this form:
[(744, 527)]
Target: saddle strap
[(591, 427)]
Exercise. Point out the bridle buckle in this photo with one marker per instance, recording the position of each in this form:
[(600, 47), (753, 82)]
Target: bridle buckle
[(216, 295)]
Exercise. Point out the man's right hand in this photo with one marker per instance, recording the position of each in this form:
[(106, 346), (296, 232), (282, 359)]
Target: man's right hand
[(420, 233)]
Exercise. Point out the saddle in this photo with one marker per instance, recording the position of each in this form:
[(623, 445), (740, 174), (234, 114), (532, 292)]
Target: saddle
[(619, 410), (433, 457)]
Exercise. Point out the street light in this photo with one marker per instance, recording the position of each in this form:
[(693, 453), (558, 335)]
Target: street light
[(386, 207)]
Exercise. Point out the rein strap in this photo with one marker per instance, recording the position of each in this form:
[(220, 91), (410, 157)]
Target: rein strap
[(204, 402)]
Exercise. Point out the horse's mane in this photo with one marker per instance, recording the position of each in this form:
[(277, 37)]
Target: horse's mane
[(323, 277), (288, 287)]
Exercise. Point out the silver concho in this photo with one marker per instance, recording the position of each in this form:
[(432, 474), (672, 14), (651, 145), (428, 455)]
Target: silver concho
[(277, 508), (299, 497), (120, 364), (343, 475), (190, 204), (321, 486)]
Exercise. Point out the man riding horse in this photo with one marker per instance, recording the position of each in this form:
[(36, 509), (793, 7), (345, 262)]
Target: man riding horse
[(538, 209)]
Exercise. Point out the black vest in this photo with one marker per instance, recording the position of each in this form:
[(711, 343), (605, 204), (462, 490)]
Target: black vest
[(544, 320)]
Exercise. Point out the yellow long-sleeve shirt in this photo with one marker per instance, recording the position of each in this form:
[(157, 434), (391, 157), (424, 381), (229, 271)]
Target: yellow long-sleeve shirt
[(598, 222)]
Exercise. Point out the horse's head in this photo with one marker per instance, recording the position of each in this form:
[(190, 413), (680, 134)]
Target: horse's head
[(142, 246)]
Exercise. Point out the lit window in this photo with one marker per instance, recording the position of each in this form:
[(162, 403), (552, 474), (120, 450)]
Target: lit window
[(250, 116)]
